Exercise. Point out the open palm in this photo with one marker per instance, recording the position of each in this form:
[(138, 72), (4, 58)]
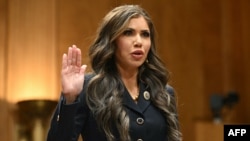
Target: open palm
[(72, 74)]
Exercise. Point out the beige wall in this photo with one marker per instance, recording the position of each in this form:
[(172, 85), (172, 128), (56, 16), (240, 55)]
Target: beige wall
[(5, 131), (31, 49), (205, 44)]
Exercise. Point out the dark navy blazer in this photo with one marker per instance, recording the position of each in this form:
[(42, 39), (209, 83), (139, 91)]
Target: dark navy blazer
[(147, 123)]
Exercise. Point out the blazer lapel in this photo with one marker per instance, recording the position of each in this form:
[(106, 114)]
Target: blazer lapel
[(143, 101), (129, 103)]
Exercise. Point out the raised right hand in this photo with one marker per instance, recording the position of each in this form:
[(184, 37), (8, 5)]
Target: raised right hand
[(72, 74)]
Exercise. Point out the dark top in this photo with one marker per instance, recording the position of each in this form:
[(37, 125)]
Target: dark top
[(147, 123)]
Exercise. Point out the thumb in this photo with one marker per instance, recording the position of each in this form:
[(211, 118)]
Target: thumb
[(83, 68)]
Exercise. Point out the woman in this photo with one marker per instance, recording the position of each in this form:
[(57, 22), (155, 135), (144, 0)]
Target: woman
[(126, 98)]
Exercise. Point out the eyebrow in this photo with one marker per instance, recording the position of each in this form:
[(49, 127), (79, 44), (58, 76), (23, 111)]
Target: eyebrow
[(129, 28)]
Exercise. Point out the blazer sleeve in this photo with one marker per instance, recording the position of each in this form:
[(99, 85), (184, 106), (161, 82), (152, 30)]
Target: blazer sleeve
[(170, 90), (68, 121)]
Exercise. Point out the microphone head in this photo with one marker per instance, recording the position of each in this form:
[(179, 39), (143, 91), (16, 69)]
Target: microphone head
[(216, 104), (231, 99)]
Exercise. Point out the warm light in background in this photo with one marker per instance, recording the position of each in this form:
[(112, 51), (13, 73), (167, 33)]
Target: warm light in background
[(31, 66), (32, 54), (32, 81)]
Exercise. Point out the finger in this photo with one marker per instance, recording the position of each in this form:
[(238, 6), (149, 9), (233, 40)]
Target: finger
[(78, 57), (69, 59), (74, 53), (83, 69), (64, 61)]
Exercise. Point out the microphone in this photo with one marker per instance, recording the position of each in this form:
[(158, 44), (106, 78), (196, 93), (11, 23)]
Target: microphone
[(231, 99), (216, 104)]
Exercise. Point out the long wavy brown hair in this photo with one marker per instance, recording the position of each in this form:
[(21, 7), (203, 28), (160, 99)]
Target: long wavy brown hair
[(105, 89)]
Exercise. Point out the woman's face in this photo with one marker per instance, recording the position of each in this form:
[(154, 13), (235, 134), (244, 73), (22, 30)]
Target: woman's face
[(133, 44)]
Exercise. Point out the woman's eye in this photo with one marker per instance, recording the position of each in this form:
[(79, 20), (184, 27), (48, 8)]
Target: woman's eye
[(128, 32), (145, 34)]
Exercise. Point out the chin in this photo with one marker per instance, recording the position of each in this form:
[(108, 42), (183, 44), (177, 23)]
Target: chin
[(138, 64)]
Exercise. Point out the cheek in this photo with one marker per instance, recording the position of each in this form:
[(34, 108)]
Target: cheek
[(147, 47), (122, 47), (123, 44), (120, 51)]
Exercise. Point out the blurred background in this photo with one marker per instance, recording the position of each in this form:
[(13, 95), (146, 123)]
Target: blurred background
[(204, 43)]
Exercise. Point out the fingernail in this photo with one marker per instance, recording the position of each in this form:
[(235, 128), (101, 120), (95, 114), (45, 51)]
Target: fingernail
[(84, 66)]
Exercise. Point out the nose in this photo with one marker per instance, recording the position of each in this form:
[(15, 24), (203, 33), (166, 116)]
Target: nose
[(138, 41)]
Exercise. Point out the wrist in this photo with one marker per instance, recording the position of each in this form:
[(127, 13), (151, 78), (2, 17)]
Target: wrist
[(69, 99)]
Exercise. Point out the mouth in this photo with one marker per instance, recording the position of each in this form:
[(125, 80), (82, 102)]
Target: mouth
[(138, 54)]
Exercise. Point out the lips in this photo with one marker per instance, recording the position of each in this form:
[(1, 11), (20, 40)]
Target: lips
[(137, 54)]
